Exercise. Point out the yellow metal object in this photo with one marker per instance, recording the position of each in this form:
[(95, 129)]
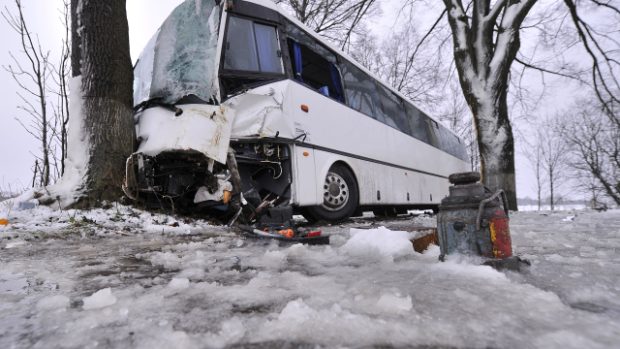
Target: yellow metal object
[(4, 221), (227, 196), (494, 239)]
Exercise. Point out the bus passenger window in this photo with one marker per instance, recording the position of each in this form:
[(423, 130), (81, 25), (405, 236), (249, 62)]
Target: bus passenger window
[(392, 109), (316, 71), (417, 123), (252, 47), (359, 89)]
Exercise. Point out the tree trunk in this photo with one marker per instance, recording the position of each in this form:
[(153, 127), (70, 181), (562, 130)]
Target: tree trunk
[(496, 143), (101, 57), (486, 41), (551, 198)]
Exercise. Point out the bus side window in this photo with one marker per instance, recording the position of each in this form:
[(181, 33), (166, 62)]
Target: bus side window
[(315, 71), (433, 132), (359, 89), (417, 123), (393, 109)]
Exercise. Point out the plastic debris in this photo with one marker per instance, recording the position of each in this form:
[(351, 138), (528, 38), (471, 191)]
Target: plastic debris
[(287, 234)]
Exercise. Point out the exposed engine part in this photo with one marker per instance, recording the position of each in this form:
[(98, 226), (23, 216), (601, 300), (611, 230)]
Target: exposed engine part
[(255, 181), (177, 180), (223, 193)]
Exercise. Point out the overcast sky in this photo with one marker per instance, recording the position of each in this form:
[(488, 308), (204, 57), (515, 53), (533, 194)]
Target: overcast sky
[(145, 16)]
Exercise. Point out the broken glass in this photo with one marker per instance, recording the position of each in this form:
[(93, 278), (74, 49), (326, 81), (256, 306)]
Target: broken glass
[(180, 59)]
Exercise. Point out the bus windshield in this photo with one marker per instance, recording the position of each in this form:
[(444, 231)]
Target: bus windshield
[(179, 61)]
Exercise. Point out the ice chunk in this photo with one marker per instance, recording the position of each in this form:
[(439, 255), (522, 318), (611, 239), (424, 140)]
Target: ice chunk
[(569, 218), (53, 303), (99, 299), (378, 244)]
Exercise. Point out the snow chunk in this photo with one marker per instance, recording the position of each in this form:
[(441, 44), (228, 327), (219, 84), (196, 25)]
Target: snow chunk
[(394, 303), (378, 244), (53, 303), (99, 299), (179, 283)]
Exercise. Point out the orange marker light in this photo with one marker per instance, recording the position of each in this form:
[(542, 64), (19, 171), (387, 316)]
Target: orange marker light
[(306, 154), (227, 197), (305, 108), (4, 221)]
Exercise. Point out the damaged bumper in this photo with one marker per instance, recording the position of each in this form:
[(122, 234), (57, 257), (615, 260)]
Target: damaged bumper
[(181, 161)]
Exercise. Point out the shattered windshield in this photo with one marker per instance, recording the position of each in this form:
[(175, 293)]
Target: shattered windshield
[(180, 59)]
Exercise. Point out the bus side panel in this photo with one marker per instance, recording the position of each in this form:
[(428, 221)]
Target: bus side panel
[(384, 185), (305, 181), (332, 125)]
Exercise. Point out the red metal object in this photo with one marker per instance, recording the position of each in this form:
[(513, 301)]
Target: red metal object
[(500, 235), (314, 234)]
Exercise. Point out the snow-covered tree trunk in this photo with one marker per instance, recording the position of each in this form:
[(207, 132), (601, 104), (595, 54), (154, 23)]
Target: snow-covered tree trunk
[(486, 41), (102, 90)]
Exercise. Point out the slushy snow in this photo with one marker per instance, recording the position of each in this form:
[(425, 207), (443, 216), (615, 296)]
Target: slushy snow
[(126, 278)]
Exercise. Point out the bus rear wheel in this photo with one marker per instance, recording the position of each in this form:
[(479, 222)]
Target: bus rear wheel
[(340, 196)]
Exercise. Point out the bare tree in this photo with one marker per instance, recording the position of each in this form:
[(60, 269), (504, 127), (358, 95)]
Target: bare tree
[(61, 90), (31, 75), (487, 40), (595, 142), (553, 148), (483, 57), (337, 20), (534, 155)]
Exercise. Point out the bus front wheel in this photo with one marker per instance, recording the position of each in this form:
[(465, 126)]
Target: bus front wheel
[(340, 196)]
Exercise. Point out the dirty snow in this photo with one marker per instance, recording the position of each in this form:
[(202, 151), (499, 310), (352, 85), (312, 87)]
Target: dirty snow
[(126, 278)]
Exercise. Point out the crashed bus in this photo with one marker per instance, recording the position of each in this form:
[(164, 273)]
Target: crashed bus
[(240, 106)]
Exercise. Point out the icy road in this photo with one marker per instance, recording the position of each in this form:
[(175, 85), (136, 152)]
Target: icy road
[(127, 279)]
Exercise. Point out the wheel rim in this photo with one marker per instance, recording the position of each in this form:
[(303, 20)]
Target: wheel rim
[(335, 192)]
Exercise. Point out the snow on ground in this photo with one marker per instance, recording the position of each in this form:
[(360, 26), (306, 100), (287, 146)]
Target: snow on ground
[(125, 278)]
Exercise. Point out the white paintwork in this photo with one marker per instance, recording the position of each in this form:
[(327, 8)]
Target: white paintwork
[(201, 127)]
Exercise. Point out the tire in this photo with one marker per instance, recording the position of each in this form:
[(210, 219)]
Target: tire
[(340, 194)]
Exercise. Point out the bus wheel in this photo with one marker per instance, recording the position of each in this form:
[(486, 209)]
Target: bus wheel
[(340, 196)]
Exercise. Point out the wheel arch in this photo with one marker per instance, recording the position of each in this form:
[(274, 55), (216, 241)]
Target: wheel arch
[(341, 162)]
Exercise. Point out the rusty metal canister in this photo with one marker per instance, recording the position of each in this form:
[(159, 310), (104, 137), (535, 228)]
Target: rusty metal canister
[(473, 220)]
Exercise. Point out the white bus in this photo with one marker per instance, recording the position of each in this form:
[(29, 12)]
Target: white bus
[(239, 99)]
